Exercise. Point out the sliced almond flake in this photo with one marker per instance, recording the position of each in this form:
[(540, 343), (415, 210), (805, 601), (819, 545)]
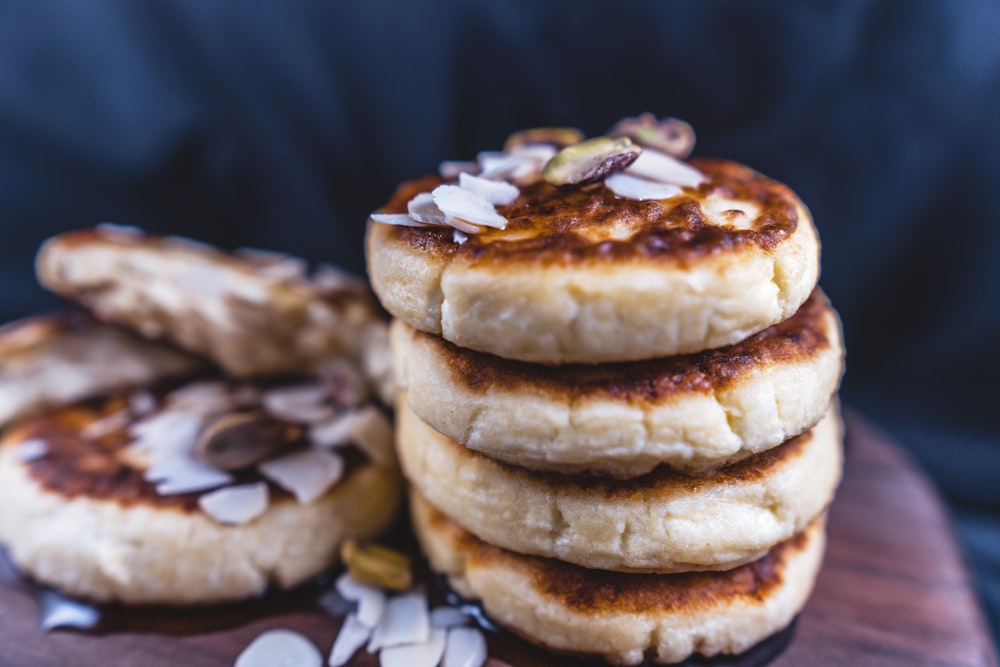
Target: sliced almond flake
[(465, 647), (462, 225), (352, 636), (306, 475), (115, 230), (459, 237), (106, 425), (452, 168), (282, 648), (188, 476), (30, 450), (633, 187), (423, 209), (165, 435), (297, 403), (290, 268), (371, 600), (235, 505), (498, 193), (59, 611), (405, 621), (204, 398), (400, 219), (367, 428), (448, 617), (467, 206), (660, 167), (424, 654), (141, 403)]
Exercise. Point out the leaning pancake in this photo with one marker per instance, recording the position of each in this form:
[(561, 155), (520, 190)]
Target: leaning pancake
[(252, 312), (625, 618), (52, 360), (77, 512), (661, 522), (582, 275), (690, 412)]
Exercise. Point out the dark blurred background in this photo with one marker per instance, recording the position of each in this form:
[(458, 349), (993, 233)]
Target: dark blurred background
[(281, 125)]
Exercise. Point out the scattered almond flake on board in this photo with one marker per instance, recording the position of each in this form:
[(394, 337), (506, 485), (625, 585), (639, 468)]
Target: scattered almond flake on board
[(280, 648), (400, 219), (660, 167), (59, 611), (30, 450), (306, 475), (424, 654), (467, 207), (187, 476), (452, 168), (235, 505), (203, 398), (404, 621), (465, 647), (498, 193), (106, 425), (633, 187), (297, 403), (371, 600), (448, 617), (352, 636)]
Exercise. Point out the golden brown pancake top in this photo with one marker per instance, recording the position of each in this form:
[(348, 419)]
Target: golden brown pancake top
[(551, 225), (75, 466), (22, 335), (591, 591), (662, 480), (800, 337)]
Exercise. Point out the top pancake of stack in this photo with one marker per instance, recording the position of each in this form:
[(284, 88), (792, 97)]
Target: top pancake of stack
[(580, 274)]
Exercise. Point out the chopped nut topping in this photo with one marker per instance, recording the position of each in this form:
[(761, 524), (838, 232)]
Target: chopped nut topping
[(670, 135), (241, 439), (377, 565), (590, 161), (560, 137)]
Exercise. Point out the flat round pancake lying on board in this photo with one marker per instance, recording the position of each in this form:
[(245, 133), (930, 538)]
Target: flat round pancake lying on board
[(583, 275), (82, 511), (625, 618), (251, 312), (51, 360), (661, 522), (692, 412)]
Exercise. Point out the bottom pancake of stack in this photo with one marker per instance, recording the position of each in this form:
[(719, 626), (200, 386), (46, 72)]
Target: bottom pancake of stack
[(625, 618)]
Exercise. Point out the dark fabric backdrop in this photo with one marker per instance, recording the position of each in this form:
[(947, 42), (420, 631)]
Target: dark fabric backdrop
[(283, 124)]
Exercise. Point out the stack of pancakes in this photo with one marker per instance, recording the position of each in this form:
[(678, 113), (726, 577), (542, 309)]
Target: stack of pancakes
[(616, 414)]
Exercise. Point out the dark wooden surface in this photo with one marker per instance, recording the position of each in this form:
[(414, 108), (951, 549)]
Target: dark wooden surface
[(893, 591)]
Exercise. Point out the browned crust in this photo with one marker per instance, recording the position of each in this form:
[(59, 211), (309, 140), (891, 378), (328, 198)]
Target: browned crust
[(663, 480), (596, 592), (28, 333), (549, 225), (801, 337), (75, 467)]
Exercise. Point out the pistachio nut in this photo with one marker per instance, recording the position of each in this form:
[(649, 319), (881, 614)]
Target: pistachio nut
[(669, 135), (590, 161), (560, 137), (376, 565), (240, 439)]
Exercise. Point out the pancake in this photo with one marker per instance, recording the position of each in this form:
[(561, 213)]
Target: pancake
[(693, 412), (251, 312), (661, 522), (625, 618), (582, 275), (51, 360), (77, 513)]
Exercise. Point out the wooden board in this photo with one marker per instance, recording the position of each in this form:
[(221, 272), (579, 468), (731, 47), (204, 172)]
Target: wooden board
[(893, 591)]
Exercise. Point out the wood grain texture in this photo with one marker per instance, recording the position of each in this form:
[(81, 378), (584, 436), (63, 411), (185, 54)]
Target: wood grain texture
[(893, 592)]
